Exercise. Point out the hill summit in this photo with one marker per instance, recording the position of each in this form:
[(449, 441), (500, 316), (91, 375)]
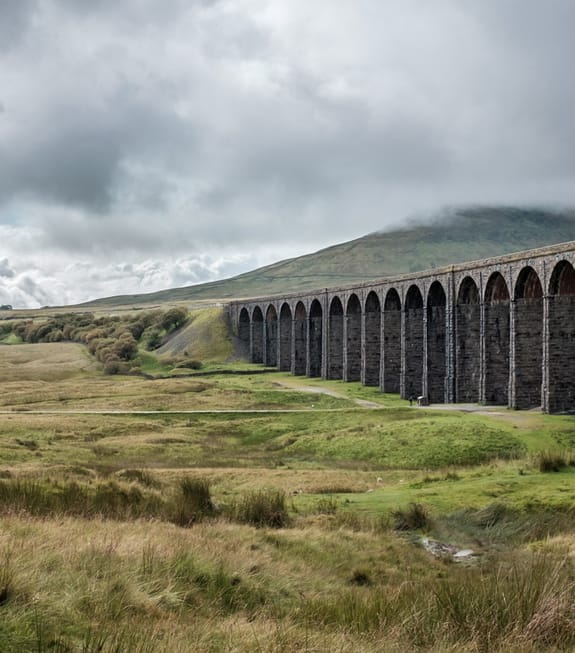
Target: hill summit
[(452, 235)]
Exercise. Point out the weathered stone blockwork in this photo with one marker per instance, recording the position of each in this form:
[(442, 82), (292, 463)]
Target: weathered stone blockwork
[(499, 331)]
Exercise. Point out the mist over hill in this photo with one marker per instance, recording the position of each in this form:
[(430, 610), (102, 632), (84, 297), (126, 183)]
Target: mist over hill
[(449, 236)]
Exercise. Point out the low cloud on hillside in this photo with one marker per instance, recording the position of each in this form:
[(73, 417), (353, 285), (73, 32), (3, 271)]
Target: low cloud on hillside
[(146, 145)]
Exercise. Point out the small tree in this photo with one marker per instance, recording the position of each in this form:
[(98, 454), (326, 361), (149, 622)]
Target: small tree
[(174, 319), (153, 339)]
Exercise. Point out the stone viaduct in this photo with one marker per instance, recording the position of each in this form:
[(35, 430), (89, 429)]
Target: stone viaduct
[(498, 331)]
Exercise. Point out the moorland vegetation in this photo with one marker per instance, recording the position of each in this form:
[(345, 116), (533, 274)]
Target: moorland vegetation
[(258, 511), (114, 340)]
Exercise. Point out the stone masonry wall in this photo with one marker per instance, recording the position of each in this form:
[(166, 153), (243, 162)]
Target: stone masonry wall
[(513, 344)]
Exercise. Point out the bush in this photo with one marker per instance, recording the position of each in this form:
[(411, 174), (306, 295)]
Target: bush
[(153, 339), (113, 365), (174, 319), (125, 347)]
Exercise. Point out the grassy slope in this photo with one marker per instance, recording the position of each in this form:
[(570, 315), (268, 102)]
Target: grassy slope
[(457, 236), (206, 337)]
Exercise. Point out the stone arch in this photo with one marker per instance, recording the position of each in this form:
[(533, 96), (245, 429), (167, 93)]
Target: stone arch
[(413, 350), (257, 335), (300, 329), (353, 339), (244, 331), (528, 334), (271, 331), (561, 335), (391, 342), (372, 343), (436, 342), (497, 340), (285, 338), (467, 338), (335, 346), (315, 338)]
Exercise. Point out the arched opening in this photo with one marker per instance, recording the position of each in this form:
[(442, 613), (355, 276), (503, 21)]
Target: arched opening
[(496, 336), (353, 339), (528, 372), (391, 342), (285, 338), (271, 350), (300, 340), (562, 338), (335, 346), (315, 338), (257, 335), (372, 339), (413, 365), (436, 362), (244, 332), (467, 337)]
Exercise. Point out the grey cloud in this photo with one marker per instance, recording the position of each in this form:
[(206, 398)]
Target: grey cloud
[(5, 270), (15, 17), (135, 128)]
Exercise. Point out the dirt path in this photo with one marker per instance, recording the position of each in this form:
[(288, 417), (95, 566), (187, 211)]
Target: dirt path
[(364, 403)]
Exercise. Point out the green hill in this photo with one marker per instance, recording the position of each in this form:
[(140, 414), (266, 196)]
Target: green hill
[(451, 236)]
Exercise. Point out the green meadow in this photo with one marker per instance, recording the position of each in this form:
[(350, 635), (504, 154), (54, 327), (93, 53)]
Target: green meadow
[(232, 508)]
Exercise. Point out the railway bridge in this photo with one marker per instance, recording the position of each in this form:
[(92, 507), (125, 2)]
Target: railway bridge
[(497, 331)]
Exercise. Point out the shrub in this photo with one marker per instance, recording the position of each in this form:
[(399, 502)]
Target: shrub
[(153, 339), (125, 347), (174, 319), (113, 365)]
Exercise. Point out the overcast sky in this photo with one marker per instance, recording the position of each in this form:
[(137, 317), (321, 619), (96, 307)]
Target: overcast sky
[(149, 144)]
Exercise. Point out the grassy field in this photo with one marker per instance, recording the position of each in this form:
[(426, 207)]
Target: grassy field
[(263, 512)]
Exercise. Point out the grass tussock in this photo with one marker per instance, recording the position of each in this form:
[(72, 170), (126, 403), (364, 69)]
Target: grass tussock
[(550, 460), (525, 603), (141, 476), (188, 504), (414, 517), (192, 502), (262, 508), (110, 543), (108, 500)]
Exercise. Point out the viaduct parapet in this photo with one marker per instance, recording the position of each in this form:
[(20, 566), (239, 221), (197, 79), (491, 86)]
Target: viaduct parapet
[(497, 331)]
